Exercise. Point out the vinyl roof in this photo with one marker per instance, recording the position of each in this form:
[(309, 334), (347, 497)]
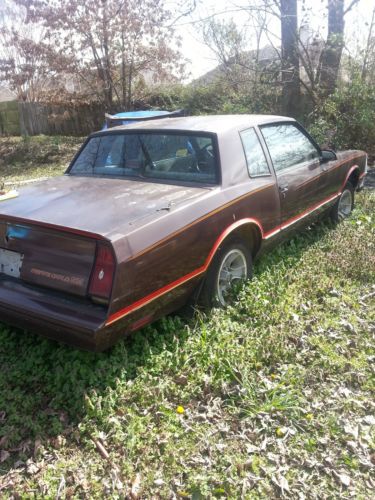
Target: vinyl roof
[(207, 123)]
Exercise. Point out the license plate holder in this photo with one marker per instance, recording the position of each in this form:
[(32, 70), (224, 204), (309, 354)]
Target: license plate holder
[(10, 263)]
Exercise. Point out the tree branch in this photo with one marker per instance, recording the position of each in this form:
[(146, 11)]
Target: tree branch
[(351, 5)]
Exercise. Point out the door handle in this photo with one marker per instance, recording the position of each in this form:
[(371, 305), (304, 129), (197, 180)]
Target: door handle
[(283, 189)]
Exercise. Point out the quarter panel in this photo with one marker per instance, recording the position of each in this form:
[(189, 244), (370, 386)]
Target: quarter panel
[(334, 177), (156, 262)]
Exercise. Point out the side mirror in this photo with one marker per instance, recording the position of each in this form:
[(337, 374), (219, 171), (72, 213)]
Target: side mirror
[(327, 155)]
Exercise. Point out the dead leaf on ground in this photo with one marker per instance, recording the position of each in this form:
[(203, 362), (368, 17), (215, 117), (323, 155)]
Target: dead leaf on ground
[(181, 380), (344, 479), (369, 420), (281, 482), (4, 455), (58, 442), (31, 467), (352, 430), (37, 445), (136, 487)]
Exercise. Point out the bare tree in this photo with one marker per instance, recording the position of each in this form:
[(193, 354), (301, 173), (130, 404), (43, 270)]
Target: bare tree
[(369, 49), (331, 54), (243, 66), (240, 66), (228, 44)]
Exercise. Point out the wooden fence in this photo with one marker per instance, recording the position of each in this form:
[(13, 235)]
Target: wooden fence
[(31, 118), (9, 118)]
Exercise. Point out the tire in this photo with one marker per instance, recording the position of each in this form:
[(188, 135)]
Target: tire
[(344, 205), (235, 257)]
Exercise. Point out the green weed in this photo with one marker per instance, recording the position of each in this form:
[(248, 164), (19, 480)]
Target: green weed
[(274, 391)]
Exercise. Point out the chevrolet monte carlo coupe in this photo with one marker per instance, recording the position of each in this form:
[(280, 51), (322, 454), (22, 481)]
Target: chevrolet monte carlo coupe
[(153, 214)]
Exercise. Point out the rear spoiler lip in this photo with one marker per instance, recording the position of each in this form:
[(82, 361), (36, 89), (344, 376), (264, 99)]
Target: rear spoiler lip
[(56, 227), (113, 121)]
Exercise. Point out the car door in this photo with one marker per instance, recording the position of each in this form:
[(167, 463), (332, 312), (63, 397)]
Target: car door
[(296, 161), (331, 178)]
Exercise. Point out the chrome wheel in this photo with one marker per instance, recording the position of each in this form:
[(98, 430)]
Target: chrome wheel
[(345, 204), (233, 269)]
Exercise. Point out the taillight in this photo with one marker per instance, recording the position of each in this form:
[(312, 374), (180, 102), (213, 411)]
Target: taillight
[(102, 276)]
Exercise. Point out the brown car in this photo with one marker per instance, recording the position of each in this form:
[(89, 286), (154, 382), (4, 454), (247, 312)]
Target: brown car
[(153, 214)]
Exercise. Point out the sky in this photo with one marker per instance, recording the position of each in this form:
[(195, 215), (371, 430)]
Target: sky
[(202, 59)]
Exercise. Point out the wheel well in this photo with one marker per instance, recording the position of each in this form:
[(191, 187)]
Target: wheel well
[(354, 178), (251, 236)]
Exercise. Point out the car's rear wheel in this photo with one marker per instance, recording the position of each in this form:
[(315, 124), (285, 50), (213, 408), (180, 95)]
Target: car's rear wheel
[(231, 266), (344, 205)]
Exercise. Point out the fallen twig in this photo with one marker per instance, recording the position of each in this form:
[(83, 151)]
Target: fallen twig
[(61, 488), (367, 296), (100, 447)]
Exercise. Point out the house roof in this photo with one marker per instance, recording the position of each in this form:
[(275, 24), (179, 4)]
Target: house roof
[(264, 56)]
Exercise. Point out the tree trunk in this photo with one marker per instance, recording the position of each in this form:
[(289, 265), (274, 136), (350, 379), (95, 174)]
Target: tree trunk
[(123, 72), (331, 55), (289, 58), (369, 48), (108, 90)]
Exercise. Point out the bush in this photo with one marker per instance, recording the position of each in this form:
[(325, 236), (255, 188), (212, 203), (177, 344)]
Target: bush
[(216, 97), (346, 120)]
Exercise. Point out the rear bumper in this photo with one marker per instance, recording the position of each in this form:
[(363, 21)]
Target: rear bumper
[(76, 321), (67, 320)]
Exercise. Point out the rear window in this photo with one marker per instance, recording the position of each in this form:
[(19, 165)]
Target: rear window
[(173, 157)]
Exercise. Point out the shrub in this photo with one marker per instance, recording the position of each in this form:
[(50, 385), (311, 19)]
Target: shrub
[(347, 118)]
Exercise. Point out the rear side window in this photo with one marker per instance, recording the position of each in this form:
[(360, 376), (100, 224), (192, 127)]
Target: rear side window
[(288, 146), (255, 159)]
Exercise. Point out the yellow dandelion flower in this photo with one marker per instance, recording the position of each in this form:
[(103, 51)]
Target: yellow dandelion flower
[(280, 432), (180, 410)]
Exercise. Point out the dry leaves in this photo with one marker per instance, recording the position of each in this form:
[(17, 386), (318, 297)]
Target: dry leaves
[(4, 455), (136, 487)]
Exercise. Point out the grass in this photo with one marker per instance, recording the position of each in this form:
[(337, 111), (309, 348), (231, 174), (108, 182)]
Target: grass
[(23, 158), (271, 397)]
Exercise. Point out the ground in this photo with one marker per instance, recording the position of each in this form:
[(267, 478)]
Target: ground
[(272, 397)]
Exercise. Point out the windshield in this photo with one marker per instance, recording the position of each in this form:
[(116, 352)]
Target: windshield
[(173, 157)]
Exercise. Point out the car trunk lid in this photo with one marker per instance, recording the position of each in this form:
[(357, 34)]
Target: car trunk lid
[(98, 206), (57, 260)]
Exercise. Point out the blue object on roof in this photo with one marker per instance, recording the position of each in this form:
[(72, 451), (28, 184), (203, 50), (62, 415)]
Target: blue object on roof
[(133, 116)]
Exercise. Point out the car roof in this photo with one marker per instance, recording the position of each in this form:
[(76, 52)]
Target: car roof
[(207, 123)]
